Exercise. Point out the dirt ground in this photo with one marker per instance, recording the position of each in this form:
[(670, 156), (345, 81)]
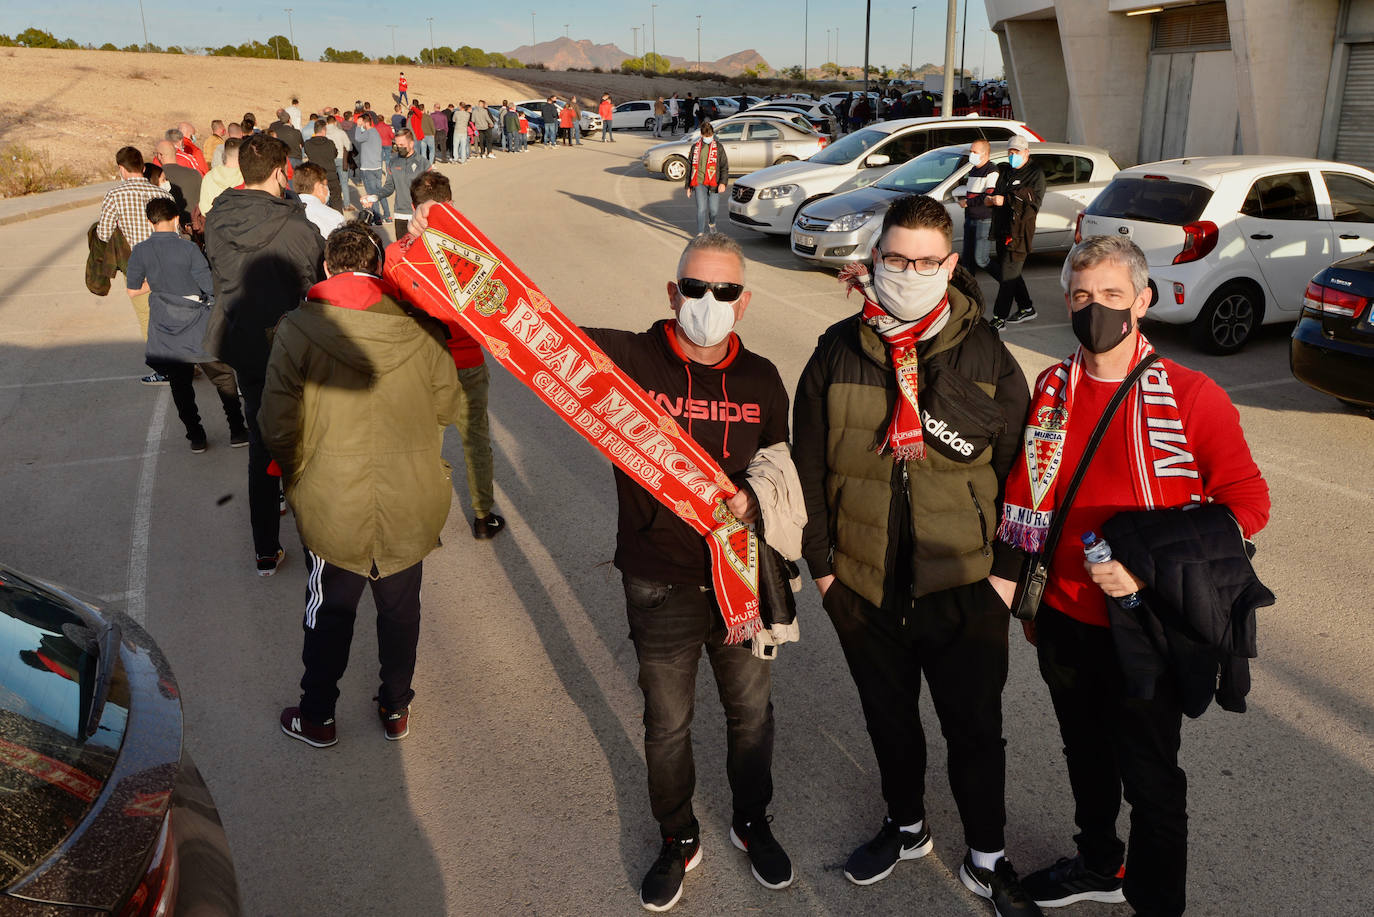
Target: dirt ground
[(84, 105)]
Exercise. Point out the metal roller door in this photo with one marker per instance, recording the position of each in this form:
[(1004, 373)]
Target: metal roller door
[(1355, 128)]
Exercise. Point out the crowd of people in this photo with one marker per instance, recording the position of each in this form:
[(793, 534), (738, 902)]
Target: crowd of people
[(906, 484)]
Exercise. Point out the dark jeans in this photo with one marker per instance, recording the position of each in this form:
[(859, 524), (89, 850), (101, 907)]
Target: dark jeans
[(484, 142), (1011, 286), (958, 638), (669, 626), (331, 604), (441, 145), (264, 490), (180, 378), (1113, 744)]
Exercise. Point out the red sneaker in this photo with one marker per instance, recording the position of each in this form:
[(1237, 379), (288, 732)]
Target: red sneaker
[(395, 723), (320, 735)]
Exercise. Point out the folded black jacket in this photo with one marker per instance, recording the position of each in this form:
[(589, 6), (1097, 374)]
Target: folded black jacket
[(1196, 619)]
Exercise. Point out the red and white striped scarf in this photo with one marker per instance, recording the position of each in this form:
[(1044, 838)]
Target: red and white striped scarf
[(1163, 470)]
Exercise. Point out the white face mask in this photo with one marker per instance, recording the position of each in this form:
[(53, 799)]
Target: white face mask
[(165, 185), (706, 321), (907, 295), (975, 160)]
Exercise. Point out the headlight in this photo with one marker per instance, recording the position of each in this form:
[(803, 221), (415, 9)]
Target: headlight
[(850, 222), (767, 194)]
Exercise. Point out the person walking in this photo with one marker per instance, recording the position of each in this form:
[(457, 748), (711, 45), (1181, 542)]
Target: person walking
[(405, 166), (403, 89), (171, 272), (321, 151), (672, 610), (288, 134), (371, 167), (1016, 201), (979, 182), (660, 112), (1119, 704), (343, 147), (899, 538), (355, 388), (674, 110), (226, 175), (607, 112), (689, 113), (708, 172), (264, 255), (440, 119)]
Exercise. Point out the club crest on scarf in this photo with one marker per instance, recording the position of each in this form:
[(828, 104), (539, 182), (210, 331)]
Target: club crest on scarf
[(1044, 450)]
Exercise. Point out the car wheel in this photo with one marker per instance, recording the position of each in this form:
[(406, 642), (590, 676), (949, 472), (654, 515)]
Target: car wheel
[(781, 159), (1230, 316), (648, 124), (675, 168)]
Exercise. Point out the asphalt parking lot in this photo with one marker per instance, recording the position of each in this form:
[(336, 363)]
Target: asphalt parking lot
[(521, 787)]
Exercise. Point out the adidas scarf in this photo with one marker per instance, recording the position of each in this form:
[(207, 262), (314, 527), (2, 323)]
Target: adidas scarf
[(1163, 470)]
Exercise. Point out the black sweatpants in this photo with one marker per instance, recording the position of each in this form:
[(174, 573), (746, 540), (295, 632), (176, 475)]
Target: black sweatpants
[(180, 378), (958, 639), (1113, 744), (331, 603), (264, 490), (1011, 286)]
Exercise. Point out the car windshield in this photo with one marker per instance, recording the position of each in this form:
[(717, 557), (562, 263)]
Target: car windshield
[(924, 173), (1152, 200), (50, 775), (850, 147)]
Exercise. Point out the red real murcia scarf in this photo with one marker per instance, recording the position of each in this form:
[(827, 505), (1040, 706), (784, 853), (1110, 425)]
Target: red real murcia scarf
[(1163, 469), (904, 434), (706, 173)]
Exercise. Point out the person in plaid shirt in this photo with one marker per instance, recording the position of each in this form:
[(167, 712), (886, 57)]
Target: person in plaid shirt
[(125, 208)]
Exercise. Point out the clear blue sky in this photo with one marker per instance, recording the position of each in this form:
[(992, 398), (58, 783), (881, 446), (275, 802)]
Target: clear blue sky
[(773, 27)]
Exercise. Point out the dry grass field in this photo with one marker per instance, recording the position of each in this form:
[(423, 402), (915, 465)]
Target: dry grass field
[(80, 106)]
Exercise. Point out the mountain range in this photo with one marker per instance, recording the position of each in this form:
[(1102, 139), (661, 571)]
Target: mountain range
[(568, 54)]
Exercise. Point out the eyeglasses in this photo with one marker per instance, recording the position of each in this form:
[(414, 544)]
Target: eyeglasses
[(926, 267), (723, 292)]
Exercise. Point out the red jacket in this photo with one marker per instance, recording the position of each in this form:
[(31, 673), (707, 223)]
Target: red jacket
[(189, 155), (605, 109), (466, 352), (417, 121), (1211, 425), (565, 117)]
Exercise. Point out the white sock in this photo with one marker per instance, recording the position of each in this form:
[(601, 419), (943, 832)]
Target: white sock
[(986, 860), (914, 828)]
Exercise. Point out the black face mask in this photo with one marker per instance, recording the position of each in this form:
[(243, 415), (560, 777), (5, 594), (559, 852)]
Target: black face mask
[(1099, 328)]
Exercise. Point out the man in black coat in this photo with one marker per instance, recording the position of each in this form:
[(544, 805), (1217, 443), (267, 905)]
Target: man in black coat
[(286, 132), (320, 150)]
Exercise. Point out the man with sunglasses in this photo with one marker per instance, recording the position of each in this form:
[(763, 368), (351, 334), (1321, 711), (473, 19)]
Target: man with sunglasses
[(906, 427), (733, 403)]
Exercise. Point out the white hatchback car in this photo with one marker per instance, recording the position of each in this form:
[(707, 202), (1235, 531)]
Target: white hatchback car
[(1233, 240), (770, 199), (630, 116), (590, 121)]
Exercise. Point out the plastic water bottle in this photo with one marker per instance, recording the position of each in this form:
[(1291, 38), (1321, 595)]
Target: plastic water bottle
[(1098, 551)]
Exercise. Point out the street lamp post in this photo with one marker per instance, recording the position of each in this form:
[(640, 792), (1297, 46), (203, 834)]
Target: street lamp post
[(983, 70), (951, 21), (868, 34), (432, 61), (634, 46), (963, 42), (145, 23), (911, 60), (565, 30), (698, 44), (292, 30), (653, 21), (393, 41), (533, 40), (806, 24)]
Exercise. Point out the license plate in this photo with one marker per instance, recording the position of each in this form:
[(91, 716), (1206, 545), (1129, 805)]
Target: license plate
[(736, 207), (808, 241)]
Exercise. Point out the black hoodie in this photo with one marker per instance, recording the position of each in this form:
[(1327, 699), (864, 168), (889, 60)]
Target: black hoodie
[(264, 255), (731, 409)]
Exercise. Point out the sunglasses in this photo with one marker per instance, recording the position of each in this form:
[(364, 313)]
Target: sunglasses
[(723, 292)]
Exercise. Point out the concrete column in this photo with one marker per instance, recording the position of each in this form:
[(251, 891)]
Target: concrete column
[(1283, 60), (1035, 75), (1108, 55)]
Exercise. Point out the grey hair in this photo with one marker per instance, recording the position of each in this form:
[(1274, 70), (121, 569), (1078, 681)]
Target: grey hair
[(1118, 249), (174, 135), (712, 242)]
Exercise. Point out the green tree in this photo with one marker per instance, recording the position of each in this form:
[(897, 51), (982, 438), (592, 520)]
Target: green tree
[(761, 70), (831, 69), (134, 48), (109, 46), (7, 42), (333, 56), (37, 38), (794, 72), (655, 63)]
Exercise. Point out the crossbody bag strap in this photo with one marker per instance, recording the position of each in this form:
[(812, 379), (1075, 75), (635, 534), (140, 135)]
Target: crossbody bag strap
[(1061, 512)]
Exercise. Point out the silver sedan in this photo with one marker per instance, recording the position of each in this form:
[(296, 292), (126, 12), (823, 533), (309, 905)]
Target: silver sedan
[(749, 143), (843, 227)]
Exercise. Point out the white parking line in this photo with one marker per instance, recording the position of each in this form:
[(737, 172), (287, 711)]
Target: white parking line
[(70, 382), (143, 512), (1270, 383)]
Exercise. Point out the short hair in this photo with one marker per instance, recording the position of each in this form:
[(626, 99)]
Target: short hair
[(249, 121), (232, 145), (129, 159), (712, 242), (1118, 249), (431, 186), (173, 134), (235, 127), (216, 124), (406, 133), (321, 126), (295, 101), (260, 156), (353, 247), (309, 176), (152, 172), (918, 211), (161, 209)]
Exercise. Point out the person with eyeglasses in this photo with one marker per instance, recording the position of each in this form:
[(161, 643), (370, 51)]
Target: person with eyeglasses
[(906, 426), (732, 402)]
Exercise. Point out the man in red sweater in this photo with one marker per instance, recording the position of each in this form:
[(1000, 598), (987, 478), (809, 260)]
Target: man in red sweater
[(473, 381), (1175, 441)]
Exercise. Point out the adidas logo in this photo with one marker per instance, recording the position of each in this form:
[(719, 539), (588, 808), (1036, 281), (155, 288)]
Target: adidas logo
[(941, 431)]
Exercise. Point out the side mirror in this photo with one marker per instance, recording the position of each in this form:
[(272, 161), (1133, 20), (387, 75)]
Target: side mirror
[(877, 160)]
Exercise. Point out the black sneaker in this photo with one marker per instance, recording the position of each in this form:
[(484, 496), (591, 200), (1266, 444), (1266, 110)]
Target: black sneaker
[(1000, 886), (997, 323), (662, 886), (1023, 315), (488, 526), (267, 565), (199, 444), (769, 861), (238, 438), (155, 379), (1070, 880), (875, 860)]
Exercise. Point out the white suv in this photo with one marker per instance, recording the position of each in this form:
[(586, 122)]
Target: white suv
[(1233, 240), (770, 199)]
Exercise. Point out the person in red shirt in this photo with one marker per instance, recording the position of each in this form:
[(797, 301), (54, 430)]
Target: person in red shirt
[(607, 111), (384, 131), (474, 429), (1176, 441), (565, 123), (402, 89)]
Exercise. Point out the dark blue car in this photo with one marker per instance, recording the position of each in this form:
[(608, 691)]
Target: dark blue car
[(1333, 344)]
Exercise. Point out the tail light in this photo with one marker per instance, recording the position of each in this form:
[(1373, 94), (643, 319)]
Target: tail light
[(1027, 129), (156, 892), (1333, 302), (1198, 241), (1078, 229), (821, 142)]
